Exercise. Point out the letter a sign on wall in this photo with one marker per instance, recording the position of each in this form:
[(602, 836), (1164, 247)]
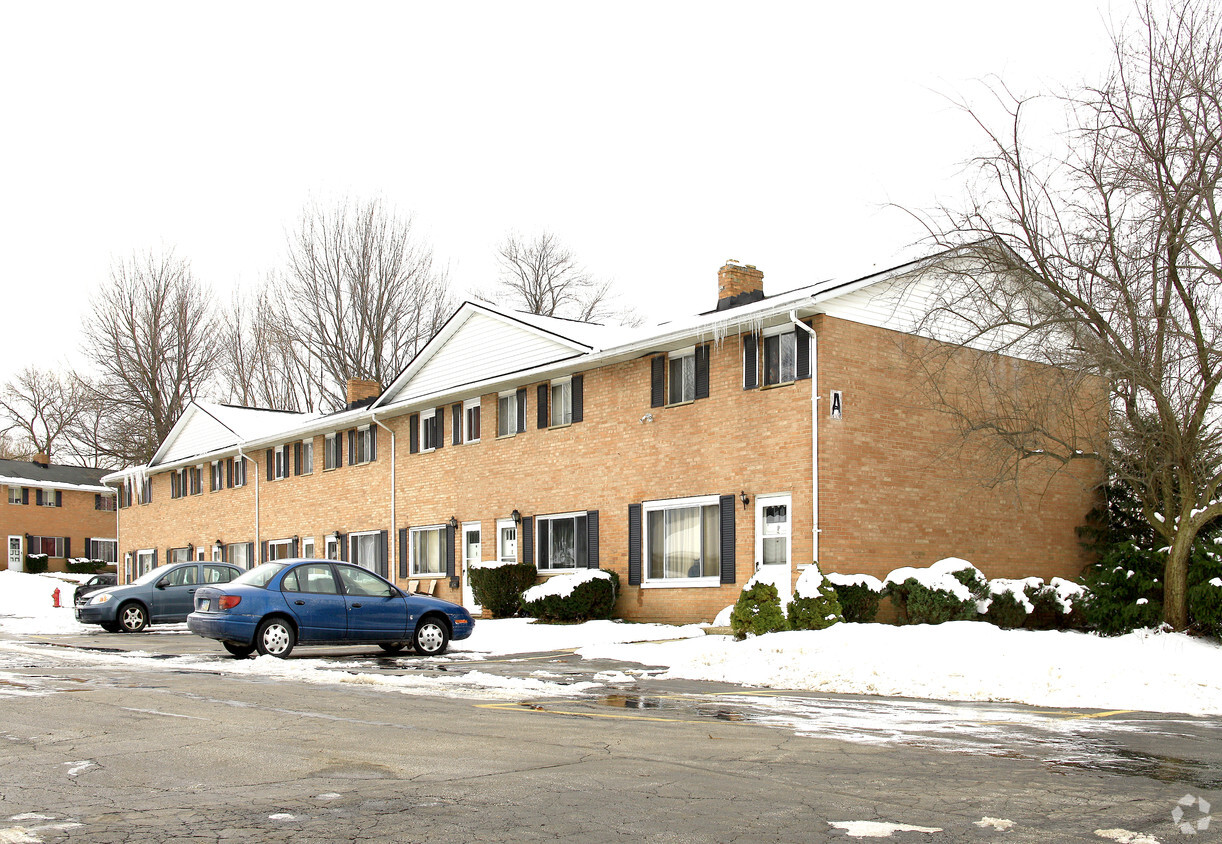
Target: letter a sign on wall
[(837, 404)]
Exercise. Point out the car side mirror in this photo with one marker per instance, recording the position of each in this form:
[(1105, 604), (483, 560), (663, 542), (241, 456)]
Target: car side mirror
[(163, 583)]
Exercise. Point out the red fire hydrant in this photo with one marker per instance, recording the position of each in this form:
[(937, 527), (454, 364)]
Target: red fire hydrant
[(55, 598)]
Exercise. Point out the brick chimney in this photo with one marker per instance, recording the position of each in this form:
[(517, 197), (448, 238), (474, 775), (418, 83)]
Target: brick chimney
[(362, 389), (738, 284), (41, 459)]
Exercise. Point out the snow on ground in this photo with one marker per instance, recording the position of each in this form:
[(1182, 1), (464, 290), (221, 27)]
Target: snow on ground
[(965, 660)]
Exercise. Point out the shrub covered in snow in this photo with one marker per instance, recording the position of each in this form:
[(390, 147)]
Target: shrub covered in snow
[(581, 596), (757, 611), (84, 565), (35, 563), (814, 605), (858, 595), (1205, 606), (938, 593), (1125, 590), (1010, 603), (499, 588)]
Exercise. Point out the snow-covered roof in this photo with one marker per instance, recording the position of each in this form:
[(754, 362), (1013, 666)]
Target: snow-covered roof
[(53, 476), (205, 428)]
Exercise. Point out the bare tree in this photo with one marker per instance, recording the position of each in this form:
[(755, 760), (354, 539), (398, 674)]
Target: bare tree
[(151, 338), (41, 406), (260, 365), (1101, 257), (360, 296), (544, 277), (10, 449)]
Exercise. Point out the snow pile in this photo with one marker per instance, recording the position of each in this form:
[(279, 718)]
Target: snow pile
[(492, 564), (871, 583), (961, 660), (1017, 589), (498, 637), (808, 583), (562, 585), (26, 605), (1067, 592), (940, 575)]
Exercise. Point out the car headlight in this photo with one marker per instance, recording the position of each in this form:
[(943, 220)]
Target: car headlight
[(100, 599)]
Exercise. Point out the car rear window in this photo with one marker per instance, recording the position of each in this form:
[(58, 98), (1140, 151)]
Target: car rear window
[(260, 575)]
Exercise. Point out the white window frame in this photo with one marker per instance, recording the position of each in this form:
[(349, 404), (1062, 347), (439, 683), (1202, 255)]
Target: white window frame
[(283, 457), (507, 410), (467, 407), (278, 544), (216, 476), (57, 546), (560, 517), (413, 558), (686, 358), (14, 495), (362, 450), (145, 560), (328, 451), (177, 555), (307, 547), (565, 388), (246, 561), (216, 552), (781, 332), (307, 456), (371, 564), (146, 491), (703, 581), (239, 471), (112, 544), (428, 441), (501, 525)]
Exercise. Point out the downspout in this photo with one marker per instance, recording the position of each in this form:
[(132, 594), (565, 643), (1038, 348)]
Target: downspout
[(392, 539), (814, 430), (258, 544)]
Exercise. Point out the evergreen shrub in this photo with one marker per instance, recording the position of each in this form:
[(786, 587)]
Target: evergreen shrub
[(559, 599), (814, 605), (757, 611), (35, 563), (858, 596), (499, 589)]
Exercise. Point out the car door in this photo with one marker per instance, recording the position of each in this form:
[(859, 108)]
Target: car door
[(173, 596), (376, 610), (313, 596)]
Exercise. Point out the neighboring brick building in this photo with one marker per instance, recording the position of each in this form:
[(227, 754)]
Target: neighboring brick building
[(679, 456), (60, 511)]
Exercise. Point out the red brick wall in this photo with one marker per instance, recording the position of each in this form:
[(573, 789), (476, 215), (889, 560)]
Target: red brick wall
[(76, 519)]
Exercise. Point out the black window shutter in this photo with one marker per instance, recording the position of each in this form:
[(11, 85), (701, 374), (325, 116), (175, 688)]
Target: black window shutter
[(224, 553), (657, 382), (634, 544), (592, 539), (373, 442), (59, 498), (578, 406), (337, 446), (25, 495), (528, 541), (263, 551), (542, 530), (89, 548), (229, 473), (413, 434), (450, 552), (456, 424), (38, 499), (803, 347), (402, 552), (97, 501), (750, 363), (343, 546), (702, 371), (295, 547), (352, 447), (155, 558), (727, 539), (296, 458), (67, 547), (541, 406), (521, 410), (383, 550), (271, 465), (250, 553), (440, 416)]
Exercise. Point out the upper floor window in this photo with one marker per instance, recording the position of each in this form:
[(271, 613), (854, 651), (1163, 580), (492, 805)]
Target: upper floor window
[(102, 501), (429, 430), (470, 429), (50, 498), (307, 456), (14, 495), (780, 358), (681, 372), (362, 445), (784, 354), (561, 542), (332, 451), (178, 483), (680, 377), (216, 476), (280, 459), (239, 472), (195, 477), (506, 414)]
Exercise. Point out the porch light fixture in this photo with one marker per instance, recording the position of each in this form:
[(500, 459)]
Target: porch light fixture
[(744, 498), (453, 523), (516, 516)]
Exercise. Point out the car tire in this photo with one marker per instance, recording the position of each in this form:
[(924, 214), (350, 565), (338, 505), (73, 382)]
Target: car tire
[(392, 647), (239, 651), (133, 617), (111, 626), (432, 637), (275, 637)]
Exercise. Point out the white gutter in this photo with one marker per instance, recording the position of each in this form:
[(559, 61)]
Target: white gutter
[(814, 430), (392, 540), (258, 545)]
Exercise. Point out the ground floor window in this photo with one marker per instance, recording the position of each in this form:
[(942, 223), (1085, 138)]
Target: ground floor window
[(333, 547), (561, 541), (179, 555), (683, 539), (106, 550), (427, 550), (363, 549), (279, 549), (146, 561), (506, 541), (307, 547), (238, 554), (52, 546)]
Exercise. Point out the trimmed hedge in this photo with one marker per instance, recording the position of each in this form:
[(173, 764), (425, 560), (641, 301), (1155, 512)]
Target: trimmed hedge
[(87, 566), (594, 598), (757, 611), (499, 590), (858, 603), (35, 563)]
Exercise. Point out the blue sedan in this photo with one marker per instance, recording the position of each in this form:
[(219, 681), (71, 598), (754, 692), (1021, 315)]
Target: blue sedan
[(276, 606)]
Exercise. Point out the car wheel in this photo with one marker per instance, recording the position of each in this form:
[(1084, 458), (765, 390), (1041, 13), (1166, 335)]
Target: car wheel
[(275, 638), (111, 627), (133, 618), (392, 647), (240, 651), (431, 637)]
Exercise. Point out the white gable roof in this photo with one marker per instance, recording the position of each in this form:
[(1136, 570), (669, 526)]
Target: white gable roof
[(482, 342), (205, 427)]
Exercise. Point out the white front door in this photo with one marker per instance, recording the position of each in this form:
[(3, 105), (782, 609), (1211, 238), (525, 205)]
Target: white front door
[(471, 555), (773, 519), (16, 560)]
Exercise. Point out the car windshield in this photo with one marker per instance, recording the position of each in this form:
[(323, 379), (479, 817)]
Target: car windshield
[(150, 576), (259, 576)]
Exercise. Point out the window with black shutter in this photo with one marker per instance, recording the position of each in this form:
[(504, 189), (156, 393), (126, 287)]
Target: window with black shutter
[(578, 383), (750, 363)]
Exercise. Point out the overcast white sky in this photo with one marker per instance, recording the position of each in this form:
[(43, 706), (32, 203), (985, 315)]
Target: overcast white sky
[(655, 139)]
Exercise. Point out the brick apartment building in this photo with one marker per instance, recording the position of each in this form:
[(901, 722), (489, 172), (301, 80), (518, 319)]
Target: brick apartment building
[(765, 434), (61, 511)]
